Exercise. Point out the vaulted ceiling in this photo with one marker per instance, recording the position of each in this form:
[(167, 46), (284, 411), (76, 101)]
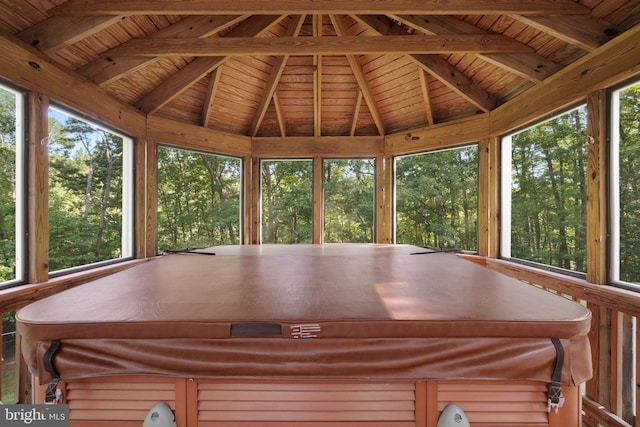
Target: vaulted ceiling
[(281, 68)]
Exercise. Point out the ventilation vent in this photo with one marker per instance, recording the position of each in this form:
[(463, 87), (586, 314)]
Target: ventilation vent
[(504, 404), (335, 403), (111, 400)]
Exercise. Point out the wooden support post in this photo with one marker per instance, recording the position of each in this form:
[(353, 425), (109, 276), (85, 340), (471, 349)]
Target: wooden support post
[(151, 198), (247, 199), (38, 188), (318, 201), (256, 214), (484, 189), (384, 199)]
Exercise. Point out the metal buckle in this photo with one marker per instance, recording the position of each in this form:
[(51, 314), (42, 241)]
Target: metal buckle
[(556, 398)]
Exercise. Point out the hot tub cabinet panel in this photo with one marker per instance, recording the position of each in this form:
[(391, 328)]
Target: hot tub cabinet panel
[(310, 335)]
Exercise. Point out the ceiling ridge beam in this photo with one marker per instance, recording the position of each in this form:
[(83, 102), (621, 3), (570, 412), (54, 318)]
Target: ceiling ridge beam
[(339, 7), (109, 66), (200, 67)]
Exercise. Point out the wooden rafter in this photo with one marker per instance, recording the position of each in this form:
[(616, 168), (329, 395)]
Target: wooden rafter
[(110, 66), (356, 68), (279, 115), (438, 67), (274, 78), (214, 80), (435, 7), (200, 67), (530, 66), (356, 111), (427, 97), (57, 32), (584, 31)]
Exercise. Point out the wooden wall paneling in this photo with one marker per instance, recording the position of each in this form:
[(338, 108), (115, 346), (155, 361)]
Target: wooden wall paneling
[(38, 188), (597, 148), (318, 200)]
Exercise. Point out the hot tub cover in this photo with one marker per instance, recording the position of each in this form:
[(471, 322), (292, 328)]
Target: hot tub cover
[(308, 311)]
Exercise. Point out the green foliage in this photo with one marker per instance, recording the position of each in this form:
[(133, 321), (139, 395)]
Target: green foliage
[(548, 221), (198, 199), (287, 201), (349, 187), (437, 199), (7, 185)]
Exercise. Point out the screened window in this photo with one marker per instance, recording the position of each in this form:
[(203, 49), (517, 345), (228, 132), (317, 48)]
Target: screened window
[(199, 199), (437, 199), (90, 193), (287, 201), (544, 193), (625, 185), (349, 188), (11, 187)]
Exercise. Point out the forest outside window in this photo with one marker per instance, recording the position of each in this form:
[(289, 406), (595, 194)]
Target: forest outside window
[(287, 201), (199, 199), (625, 186), (437, 199), (348, 187), (90, 193), (544, 200), (12, 190)]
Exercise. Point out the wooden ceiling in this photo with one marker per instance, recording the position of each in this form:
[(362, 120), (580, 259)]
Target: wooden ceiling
[(297, 68)]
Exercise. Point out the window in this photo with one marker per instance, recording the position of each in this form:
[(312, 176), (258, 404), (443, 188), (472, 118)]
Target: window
[(349, 188), (12, 190), (90, 193), (287, 201), (437, 199), (199, 199), (625, 185), (544, 193)]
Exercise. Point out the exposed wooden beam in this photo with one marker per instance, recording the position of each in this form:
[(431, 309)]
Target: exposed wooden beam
[(437, 66), (581, 30), (530, 66), (110, 66), (214, 80), (358, 72), (200, 67), (341, 45), (427, 97), (324, 146), (281, 122), (57, 32), (424, 7), (274, 78), (356, 111)]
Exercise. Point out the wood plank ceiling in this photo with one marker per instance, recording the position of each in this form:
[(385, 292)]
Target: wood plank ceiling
[(281, 68)]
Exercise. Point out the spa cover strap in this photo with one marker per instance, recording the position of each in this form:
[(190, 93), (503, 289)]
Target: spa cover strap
[(556, 399), (50, 394)]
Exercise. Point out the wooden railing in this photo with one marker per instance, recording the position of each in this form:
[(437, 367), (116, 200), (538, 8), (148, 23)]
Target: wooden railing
[(612, 397)]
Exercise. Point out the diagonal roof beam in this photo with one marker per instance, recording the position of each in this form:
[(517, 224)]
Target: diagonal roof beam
[(110, 66), (530, 66), (582, 30), (274, 78), (419, 7), (438, 67), (214, 81), (200, 67), (57, 32), (358, 72)]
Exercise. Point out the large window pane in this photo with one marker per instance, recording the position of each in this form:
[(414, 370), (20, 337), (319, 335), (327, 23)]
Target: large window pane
[(349, 186), (287, 201), (11, 187), (544, 193), (625, 189), (90, 193), (198, 199), (437, 199)]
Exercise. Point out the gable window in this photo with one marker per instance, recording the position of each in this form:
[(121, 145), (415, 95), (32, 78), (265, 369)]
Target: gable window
[(544, 193), (90, 193), (198, 199), (348, 187), (12, 191), (437, 199), (287, 201), (625, 185)]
